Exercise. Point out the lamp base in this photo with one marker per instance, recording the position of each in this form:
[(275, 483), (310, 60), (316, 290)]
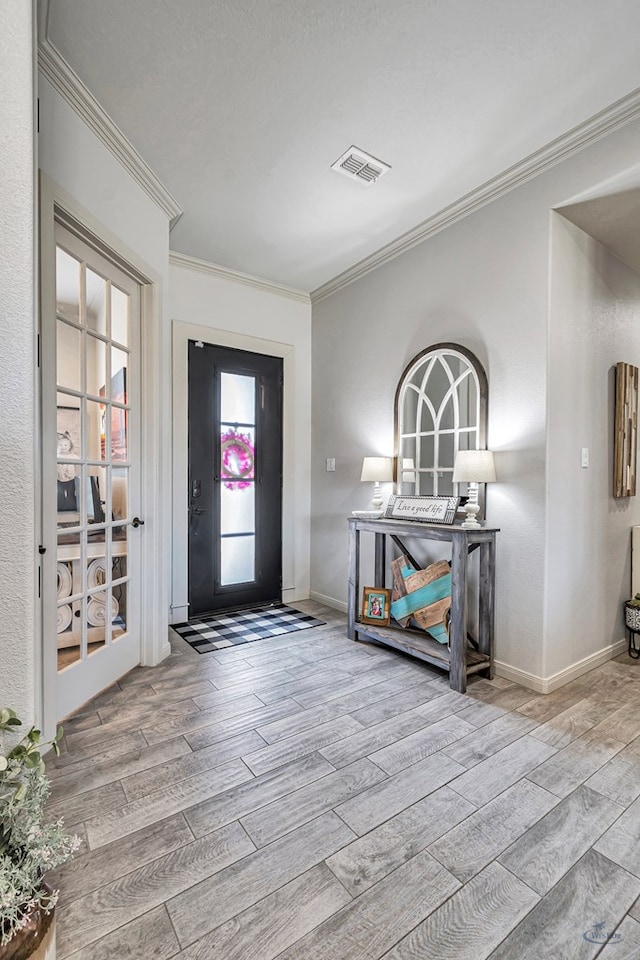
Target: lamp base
[(472, 509), (377, 502)]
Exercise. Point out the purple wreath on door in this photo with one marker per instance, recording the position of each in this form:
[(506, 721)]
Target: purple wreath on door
[(237, 460)]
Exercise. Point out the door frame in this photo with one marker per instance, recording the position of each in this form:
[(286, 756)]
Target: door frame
[(295, 543), (56, 204)]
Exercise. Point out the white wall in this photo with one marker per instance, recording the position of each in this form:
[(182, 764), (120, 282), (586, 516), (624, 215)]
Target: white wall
[(17, 362), (594, 323), (72, 155), (483, 283), (207, 306)]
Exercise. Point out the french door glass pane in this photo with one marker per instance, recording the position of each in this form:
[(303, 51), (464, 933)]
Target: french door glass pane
[(98, 619), (119, 434), (119, 609), (94, 426), (119, 316), (119, 493), (68, 271), (96, 490), (119, 362), (96, 365), (69, 353), (68, 451), (237, 560), (96, 308)]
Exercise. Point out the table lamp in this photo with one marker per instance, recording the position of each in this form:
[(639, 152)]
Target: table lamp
[(379, 470), (473, 467)]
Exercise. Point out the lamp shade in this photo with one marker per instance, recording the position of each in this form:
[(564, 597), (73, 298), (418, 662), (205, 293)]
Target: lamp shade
[(474, 466), (378, 469)]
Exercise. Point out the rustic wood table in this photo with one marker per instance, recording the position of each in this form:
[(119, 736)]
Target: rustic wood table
[(459, 658)]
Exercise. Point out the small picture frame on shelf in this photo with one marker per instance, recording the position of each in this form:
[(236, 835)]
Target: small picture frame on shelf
[(376, 606)]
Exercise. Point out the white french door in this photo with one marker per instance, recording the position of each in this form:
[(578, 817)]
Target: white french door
[(91, 476)]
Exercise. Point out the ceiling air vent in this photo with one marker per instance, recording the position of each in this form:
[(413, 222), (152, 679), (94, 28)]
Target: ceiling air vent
[(358, 165)]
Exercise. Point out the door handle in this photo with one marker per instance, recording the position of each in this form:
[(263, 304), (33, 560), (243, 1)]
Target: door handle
[(137, 522)]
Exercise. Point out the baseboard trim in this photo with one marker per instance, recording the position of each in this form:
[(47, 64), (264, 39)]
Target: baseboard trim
[(529, 680), (557, 680), (165, 651), (328, 601)]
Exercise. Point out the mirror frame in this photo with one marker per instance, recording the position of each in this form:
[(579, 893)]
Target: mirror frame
[(483, 393)]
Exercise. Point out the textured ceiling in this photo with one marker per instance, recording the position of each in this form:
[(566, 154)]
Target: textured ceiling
[(240, 107)]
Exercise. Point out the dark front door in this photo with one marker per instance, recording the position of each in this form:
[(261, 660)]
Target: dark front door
[(235, 478)]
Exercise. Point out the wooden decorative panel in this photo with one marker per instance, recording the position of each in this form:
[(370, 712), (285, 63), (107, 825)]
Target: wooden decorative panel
[(626, 423)]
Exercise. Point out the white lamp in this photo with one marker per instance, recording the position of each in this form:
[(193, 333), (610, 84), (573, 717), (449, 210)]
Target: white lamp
[(473, 467), (379, 470)]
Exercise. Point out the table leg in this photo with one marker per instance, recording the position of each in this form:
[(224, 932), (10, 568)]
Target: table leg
[(353, 584), (458, 628), (380, 560), (487, 601)]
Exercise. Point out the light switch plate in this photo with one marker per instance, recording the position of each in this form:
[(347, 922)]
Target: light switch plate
[(331, 464)]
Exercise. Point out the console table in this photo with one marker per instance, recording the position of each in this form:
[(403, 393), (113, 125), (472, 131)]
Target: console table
[(459, 659)]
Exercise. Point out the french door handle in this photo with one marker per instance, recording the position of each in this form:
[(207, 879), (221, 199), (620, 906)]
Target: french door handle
[(137, 522)]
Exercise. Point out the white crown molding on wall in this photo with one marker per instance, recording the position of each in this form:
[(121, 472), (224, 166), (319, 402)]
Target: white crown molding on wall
[(225, 273), (600, 125), (69, 85)]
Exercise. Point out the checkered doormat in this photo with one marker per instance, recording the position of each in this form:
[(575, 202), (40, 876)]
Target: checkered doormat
[(243, 626)]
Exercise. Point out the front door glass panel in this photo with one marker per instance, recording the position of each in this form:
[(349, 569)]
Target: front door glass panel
[(237, 456)]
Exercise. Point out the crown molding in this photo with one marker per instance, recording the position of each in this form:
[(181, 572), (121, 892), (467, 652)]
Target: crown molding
[(595, 128), (225, 273), (66, 81)]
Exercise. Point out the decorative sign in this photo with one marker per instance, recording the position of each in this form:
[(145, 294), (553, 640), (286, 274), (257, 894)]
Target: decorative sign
[(423, 509)]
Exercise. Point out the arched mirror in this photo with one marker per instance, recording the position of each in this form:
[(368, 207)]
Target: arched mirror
[(440, 408)]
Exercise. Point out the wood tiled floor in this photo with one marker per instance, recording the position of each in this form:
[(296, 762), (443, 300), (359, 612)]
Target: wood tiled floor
[(309, 798)]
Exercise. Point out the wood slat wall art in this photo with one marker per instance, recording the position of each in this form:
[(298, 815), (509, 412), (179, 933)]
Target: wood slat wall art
[(626, 423)]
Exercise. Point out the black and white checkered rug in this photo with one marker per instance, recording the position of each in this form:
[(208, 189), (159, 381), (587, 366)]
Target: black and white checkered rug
[(243, 626)]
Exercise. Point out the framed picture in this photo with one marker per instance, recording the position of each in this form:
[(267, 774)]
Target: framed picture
[(423, 509), (376, 606)]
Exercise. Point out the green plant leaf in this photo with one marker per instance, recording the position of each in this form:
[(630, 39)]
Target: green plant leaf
[(21, 792)]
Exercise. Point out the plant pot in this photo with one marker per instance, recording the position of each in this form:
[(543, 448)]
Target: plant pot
[(36, 941)]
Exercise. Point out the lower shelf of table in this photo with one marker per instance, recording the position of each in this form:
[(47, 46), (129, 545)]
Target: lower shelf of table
[(418, 644)]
